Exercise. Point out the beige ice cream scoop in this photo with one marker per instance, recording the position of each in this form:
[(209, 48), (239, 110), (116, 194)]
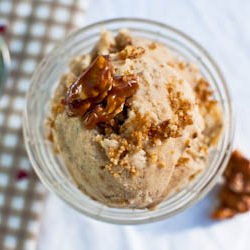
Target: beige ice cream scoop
[(133, 123)]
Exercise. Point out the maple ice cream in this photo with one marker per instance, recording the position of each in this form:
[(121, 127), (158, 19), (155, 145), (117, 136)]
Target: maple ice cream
[(133, 122)]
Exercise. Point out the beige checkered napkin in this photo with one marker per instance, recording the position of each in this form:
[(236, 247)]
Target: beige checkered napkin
[(33, 27)]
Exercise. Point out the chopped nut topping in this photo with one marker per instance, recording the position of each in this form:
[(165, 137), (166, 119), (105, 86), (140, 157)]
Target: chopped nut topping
[(168, 128), (141, 126), (131, 52), (161, 164), (182, 161), (91, 87), (171, 64), (152, 46), (204, 94), (152, 157), (181, 107), (187, 143), (123, 87), (235, 193), (161, 131), (97, 94), (181, 65), (57, 108), (133, 171)]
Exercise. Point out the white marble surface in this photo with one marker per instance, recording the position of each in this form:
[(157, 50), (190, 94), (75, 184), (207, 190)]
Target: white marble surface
[(223, 28)]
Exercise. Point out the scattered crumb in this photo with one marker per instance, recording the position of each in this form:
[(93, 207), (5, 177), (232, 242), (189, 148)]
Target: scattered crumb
[(152, 46)]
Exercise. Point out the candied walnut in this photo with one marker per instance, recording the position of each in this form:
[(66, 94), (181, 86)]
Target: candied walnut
[(93, 84), (238, 172), (123, 87), (97, 95), (115, 124), (223, 213), (239, 202), (235, 193)]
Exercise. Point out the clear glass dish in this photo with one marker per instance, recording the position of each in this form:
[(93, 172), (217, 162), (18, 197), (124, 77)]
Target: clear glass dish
[(49, 166)]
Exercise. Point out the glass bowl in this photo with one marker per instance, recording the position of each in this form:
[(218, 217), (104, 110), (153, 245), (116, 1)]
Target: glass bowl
[(49, 166)]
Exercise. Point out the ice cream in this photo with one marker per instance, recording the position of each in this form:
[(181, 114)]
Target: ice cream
[(133, 122)]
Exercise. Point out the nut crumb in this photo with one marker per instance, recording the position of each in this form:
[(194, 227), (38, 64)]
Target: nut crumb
[(152, 46), (131, 52), (182, 161), (161, 165)]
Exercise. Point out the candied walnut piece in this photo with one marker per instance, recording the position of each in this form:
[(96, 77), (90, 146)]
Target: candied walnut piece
[(123, 87), (97, 95), (90, 87), (235, 193), (223, 213), (237, 173)]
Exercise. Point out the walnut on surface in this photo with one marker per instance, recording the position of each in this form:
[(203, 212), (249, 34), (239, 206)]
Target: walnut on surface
[(234, 196)]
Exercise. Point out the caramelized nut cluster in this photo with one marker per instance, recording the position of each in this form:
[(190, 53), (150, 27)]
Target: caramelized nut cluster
[(97, 95), (131, 52), (181, 108), (235, 193), (204, 94)]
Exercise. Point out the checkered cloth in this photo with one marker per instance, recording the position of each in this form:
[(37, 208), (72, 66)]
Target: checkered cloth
[(33, 27)]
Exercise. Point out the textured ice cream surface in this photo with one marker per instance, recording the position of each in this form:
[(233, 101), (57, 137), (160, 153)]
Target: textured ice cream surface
[(157, 141)]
